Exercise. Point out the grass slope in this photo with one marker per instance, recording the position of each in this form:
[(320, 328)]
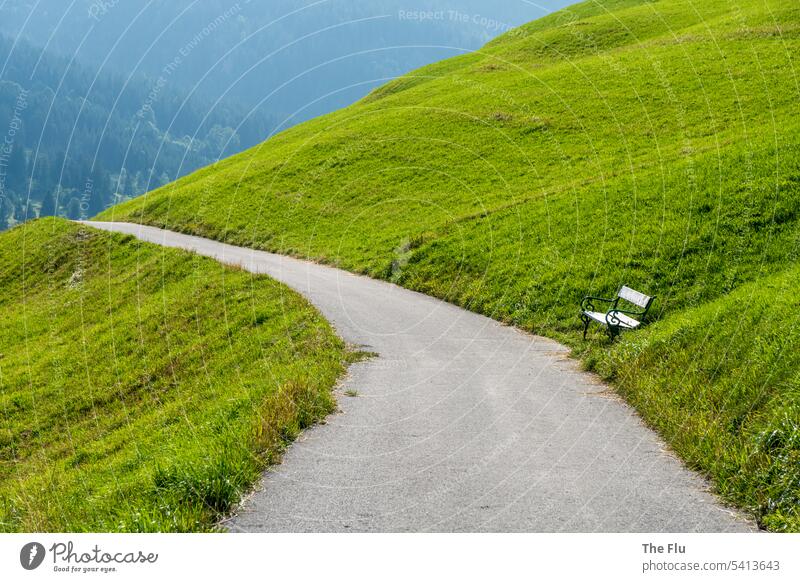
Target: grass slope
[(143, 388), (653, 143)]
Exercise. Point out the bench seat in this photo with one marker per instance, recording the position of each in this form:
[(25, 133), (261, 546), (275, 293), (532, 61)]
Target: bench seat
[(624, 320)]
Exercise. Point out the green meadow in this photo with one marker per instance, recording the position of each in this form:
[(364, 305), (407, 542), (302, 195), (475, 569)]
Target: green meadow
[(141, 388), (650, 143)]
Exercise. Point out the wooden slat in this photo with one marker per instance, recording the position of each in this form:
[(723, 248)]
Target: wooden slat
[(639, 299)]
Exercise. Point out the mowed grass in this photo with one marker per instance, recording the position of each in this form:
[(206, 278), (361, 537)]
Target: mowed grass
[(141, 388), (653, 144)]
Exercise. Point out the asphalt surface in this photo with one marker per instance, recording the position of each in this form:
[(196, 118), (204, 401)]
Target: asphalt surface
[(460, 424)]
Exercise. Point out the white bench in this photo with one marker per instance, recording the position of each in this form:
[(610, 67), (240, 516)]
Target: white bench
[(613, 318)]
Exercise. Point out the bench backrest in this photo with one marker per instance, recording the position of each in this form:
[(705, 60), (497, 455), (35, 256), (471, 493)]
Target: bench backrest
[(635, 297)]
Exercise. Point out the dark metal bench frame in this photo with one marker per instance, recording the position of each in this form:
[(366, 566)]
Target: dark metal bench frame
[(612, 323)]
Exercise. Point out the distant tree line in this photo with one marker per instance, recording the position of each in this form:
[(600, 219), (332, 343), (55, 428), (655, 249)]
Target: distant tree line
[(74, 140)]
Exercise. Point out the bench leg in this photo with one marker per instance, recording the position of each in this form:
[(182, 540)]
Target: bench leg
[(612, 332), (585, 321)]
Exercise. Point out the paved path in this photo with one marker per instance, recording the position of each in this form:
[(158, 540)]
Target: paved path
[(460, 424)]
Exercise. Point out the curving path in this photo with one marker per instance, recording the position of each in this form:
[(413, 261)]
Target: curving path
[(460, 424)]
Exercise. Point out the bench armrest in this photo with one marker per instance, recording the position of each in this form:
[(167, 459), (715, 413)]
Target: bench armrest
[(587, 304), (626, 312), (612, 319)]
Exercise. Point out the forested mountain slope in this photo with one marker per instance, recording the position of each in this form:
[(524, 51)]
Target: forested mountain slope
[(74, 139)]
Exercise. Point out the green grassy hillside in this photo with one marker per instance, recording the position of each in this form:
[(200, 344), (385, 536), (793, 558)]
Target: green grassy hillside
[(653, 143), (142, 388)]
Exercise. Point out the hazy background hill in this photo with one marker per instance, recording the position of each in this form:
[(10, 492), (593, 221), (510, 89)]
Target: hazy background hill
[(76, 139), (107, 100), (248, 49)]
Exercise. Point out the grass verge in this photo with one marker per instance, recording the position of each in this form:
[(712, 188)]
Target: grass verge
[(142, 388)]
